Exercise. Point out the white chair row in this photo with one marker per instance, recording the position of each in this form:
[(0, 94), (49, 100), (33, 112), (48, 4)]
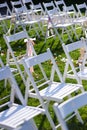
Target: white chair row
[(37, 15), (57, 20), (75, 68), (69, 16), (51, 86), (29, 16), (33, 18), (54, 91)]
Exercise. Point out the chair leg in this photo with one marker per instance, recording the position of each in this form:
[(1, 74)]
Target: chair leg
[(78, 116)]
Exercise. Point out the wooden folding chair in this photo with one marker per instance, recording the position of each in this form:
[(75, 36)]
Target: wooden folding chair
[(27, 17), (81, 15), (52, 14), (82, 10), (75, 67), (66, 110), (42, 84), (13, 115), (58, 20), (13, 58), (4, 15), (36, 13), (60, 4)]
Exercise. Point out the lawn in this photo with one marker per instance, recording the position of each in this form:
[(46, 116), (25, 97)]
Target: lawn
[(56, 48)]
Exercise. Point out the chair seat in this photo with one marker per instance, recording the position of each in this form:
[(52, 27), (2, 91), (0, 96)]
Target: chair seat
[(80, 20), (58, 91), (62, 25), (17, 115), (83, 74)]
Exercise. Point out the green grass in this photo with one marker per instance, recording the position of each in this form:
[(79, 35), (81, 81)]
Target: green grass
[(41, 46)]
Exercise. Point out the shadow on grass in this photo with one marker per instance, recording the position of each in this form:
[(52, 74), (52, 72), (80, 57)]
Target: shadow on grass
[(41, 48), (42, 123)]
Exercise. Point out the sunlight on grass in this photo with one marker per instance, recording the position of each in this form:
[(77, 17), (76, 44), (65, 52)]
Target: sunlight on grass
[(56, 48)]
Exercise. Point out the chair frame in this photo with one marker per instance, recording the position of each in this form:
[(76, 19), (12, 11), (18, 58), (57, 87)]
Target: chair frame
[(78, 75), (15, 110), (55, 25), (8, 39), (49, 93), (4, 17), (68, 107), (26, 16)]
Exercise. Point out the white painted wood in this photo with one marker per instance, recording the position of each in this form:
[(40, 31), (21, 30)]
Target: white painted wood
[(16, 115), (75, 72), (66, 108), (47, 89)]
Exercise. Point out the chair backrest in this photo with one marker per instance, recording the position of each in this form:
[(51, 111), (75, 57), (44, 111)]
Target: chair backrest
[(5, 14), (71, 9), (16, 4), (28, 4), (60, 4), (73, 47), (68, 107), (20, 10), (8, 93), (30, 7), (6, 10), (50, 8), (70, 12), (16, 36), (82, 9), (27, 1), (38, 10)]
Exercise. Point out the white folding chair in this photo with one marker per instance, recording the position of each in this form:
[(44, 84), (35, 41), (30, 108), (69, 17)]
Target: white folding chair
[(36, 12), (37, 8), (29, 3), (81, 15), (14, 116), (50, 11), (60, 4), (42, 84), (13, 58), (66, 110), (58, 20), (27, 17), (4, 15), (71, 13), (19, 11), (71, 16), (82, 10), (79, 72), (16, 4), (68, 11)]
